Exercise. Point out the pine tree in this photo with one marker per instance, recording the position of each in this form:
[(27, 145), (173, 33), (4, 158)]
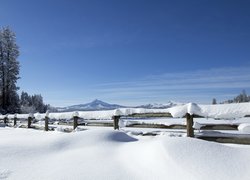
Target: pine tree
[(242, 97), (214, 101), (9, 71), (32, 103)]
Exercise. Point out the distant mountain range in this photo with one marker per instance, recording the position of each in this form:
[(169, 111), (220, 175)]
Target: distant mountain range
[(159, 106), (92, 106), (100, 105)]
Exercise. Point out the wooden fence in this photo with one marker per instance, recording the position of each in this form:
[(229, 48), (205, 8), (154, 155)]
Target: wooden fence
[(77, 121)]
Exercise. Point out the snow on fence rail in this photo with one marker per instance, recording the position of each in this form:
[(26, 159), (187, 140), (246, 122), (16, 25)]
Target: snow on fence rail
[(226, 111), (85, 115), (88, 114)]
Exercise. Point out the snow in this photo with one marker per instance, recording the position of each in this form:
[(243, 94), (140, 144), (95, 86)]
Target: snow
[(102, 153), (244, 127), (31, 115), (75, 114), (117, 112), (105, 114), (227, 111), (47, 113), (197, 126)]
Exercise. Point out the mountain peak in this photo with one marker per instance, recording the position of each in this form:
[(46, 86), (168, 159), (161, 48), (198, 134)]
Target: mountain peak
[(92, 106), (100, 105), (97, 101)]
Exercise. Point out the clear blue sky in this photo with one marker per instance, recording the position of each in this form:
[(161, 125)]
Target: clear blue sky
[(131, 51)]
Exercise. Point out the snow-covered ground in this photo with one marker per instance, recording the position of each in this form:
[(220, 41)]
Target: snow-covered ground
[(102, 153)]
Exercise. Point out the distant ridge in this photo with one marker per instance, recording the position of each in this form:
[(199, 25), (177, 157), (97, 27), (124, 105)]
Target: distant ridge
[(97, 105), (159, 106), (92, 106)]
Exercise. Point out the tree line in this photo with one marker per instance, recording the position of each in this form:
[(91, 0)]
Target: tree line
[(242, 97), (10, 102), (32, 103)]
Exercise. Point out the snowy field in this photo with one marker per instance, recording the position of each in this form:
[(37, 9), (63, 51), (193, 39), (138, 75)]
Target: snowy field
[(102, 153), (131, 153)]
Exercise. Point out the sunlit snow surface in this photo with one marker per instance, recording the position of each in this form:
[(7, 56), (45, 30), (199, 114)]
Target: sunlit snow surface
[(102, 153)]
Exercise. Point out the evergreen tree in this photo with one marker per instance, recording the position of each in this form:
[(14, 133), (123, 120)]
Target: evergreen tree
[(9, 71), (32, 104), (242, 97), (214, 101), (25, 99)]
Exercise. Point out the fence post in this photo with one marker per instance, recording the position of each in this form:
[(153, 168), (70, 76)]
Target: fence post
[(75, 119), (116, 117), (5, 119), (190, 122), (15, 119), (46, 121), (116, 122), (30, 120)]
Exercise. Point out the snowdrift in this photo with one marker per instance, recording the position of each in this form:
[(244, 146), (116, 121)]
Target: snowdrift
[(102, 153)]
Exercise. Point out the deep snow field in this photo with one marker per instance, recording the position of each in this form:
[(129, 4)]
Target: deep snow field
[(102, 153)]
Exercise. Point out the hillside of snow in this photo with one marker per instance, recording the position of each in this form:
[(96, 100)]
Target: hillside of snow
[(102, 153)]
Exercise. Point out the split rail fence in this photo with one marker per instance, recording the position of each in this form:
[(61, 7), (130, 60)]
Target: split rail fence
[(77, 121)]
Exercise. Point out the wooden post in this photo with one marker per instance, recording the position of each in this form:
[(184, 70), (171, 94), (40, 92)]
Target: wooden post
[(5, 120), (75, 119), (15, 119), (30, 120), (75, 122), (116, 117), (190, 122), (116, 122), (46, 128), (46, 121)]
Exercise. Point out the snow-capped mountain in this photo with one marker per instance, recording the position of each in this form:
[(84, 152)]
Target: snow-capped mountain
[(100, 105), (94, 105)]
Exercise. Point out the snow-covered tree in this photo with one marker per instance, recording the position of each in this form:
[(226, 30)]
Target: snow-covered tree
[(25, 99), (37, 101), (242, 97), (32, 103), (9, 71)]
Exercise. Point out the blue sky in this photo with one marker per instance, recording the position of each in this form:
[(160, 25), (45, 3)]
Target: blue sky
[(131, 52)]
